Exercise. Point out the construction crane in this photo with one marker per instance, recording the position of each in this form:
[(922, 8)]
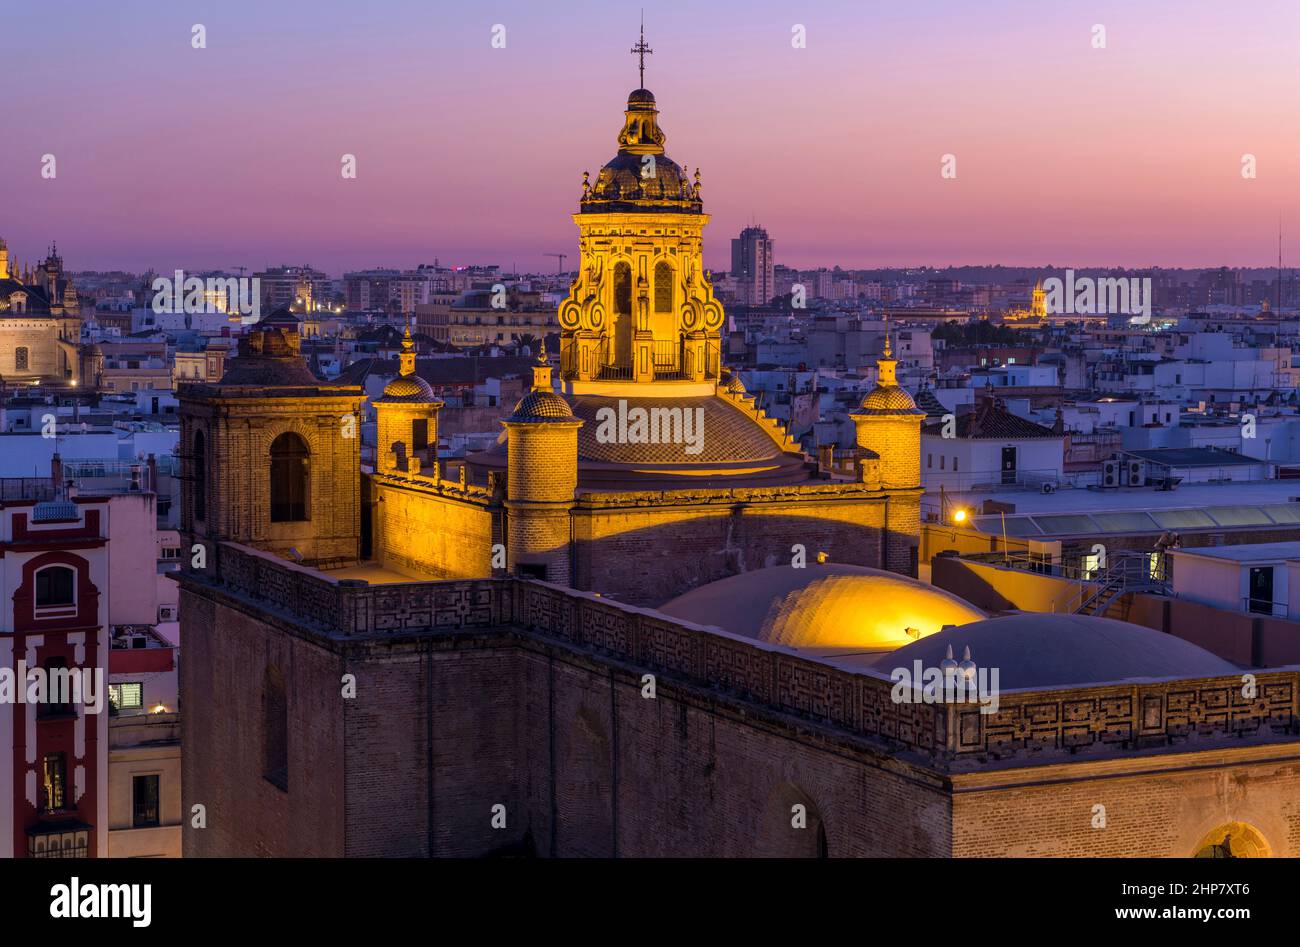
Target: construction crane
[(562, 257)]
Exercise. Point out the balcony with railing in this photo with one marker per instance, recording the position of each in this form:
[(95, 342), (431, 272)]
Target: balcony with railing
[(671, 360)]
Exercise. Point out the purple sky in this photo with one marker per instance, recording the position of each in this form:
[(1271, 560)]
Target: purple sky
[(170, 156)]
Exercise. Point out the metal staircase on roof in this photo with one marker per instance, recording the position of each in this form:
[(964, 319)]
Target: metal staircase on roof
[(1126, 571)]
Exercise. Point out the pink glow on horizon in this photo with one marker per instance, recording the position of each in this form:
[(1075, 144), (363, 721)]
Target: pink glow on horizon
[(1131, 155)]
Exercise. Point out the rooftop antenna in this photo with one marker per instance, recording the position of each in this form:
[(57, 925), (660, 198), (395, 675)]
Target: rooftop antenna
[(641, 49)]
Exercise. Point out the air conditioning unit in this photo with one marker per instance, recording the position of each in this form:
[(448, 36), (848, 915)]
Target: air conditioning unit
[(1110, 473), (1133, 473)]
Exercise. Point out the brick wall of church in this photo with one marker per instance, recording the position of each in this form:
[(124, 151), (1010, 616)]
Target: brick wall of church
[(897, 441), (1168, 809), (585, 764), (227, 652), (239, 439), (542, 476), (902, 533), (45, 358), (653, 552), (475, 728), (582, 762), (685, 775), (431, 536)]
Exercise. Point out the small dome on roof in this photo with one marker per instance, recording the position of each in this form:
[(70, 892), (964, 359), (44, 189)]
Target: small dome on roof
[(541, 406), (824, 605), (1059, 650), (410, 388), (889, 399)]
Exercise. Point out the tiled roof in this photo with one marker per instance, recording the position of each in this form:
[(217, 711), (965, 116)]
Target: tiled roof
[(990, 421), (729, 435), (931, 405)]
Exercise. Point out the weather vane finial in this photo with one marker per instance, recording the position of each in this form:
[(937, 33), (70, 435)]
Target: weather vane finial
[(640, 49)]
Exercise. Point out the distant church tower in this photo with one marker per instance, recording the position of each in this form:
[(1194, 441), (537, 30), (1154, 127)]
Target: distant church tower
[(888, 424), (270, 455), (1038, 301)]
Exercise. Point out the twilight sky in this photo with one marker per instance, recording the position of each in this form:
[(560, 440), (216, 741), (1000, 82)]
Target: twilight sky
[(169, 156)]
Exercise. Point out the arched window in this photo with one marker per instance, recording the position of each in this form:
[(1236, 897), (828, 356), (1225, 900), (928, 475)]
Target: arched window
[(200, 467), (623, 289), (289, 468), (55, 585), (275, 728), (663, 287), (1233, 840)]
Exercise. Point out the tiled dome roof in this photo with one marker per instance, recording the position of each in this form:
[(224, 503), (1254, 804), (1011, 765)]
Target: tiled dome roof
[(541, 406), (729, 436), (889, 399), (641, 177), (409, 388)]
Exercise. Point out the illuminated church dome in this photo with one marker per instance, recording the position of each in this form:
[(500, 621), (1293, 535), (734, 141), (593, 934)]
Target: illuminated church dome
[(824, 606), (641, 177)]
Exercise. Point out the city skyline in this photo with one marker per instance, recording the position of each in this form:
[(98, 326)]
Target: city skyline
[(854, 125)]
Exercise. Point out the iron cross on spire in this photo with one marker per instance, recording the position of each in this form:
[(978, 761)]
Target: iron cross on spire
[(640, 50)]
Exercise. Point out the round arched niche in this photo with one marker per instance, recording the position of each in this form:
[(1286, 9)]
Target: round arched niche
[(1233, 840), (788, 831)]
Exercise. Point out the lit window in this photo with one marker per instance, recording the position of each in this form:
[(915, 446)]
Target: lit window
[(126, 696), (54, 782)]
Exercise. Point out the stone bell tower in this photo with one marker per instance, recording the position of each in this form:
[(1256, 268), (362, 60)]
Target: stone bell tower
[(642, 308), (889, 425), (542, 475), (406, 420), (271, 455)]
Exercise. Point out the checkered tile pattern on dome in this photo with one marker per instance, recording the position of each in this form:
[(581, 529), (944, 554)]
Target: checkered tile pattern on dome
[(729, 435)]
